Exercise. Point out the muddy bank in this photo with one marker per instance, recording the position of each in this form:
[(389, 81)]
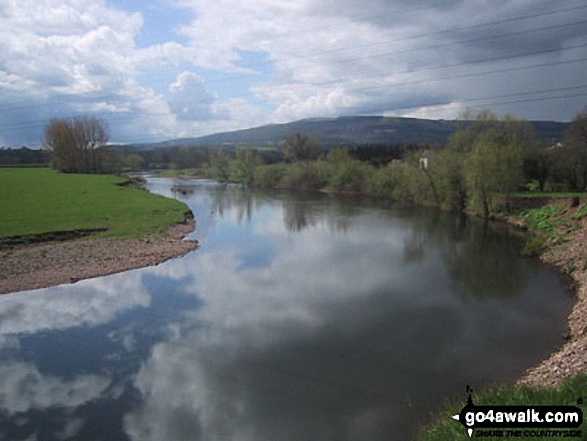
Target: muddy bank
[(570, 257), (28, 267)]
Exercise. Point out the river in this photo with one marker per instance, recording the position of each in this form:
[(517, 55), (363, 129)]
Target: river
[(313, 317)]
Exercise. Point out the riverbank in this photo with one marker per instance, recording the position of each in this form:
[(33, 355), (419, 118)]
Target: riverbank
[(28, 267), (558, 229), (566, 249), (60, 228)]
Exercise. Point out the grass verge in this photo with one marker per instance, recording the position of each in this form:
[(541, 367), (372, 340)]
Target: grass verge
[(548, 224), (37, 202), (445, 428)]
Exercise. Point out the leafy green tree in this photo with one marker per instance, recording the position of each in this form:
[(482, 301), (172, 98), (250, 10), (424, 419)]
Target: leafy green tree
[(408, 183), (133, 161), (220, 164), (346, 173), (538, 165), (382, 181), (509, 130), (492, 168), (270, 176), (447, 173), (571, 158), (483, 160), (576, 133), (245, 165), (299, 146), (517, 131), (339, 156), (306, 176)]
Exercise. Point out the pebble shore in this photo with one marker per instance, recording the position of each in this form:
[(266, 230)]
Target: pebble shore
[(24, 268), (571, 359)]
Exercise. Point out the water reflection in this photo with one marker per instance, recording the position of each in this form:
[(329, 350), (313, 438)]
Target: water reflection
[(319, 318)]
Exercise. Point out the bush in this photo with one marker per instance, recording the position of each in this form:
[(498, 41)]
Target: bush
[(382, 182), (412, 185), (542, 218), (581, 212), (349, 176), (306, 176), (270, 176)]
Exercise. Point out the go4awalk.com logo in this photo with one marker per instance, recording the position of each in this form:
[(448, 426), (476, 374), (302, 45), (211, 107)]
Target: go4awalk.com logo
[(520, 421)]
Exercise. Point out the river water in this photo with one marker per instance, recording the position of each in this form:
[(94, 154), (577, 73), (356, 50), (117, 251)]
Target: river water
[(309, 317)]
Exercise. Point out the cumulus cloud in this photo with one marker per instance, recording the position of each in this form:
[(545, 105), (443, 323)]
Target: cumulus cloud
[(63, 57), (190, 100), (325, 55), (89, 302), (323, 58), (24, 388)]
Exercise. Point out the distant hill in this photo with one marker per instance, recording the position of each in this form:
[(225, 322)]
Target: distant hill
[(355, 130)]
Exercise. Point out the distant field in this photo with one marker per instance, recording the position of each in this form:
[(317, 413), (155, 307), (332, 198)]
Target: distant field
[(39, 200)]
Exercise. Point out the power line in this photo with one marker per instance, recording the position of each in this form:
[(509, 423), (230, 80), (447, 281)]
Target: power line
[(96, 97), (487, 102), (494, 104), (390, 77), (542, 29), (471, 75), (452, 65), (443, 31), (448, 44), (362, 18), (557, 89)]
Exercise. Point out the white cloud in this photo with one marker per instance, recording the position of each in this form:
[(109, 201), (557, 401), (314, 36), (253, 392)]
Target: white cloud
[(190, 100), (322, 52), (322, 58), (24, 388), (88, 302), (243, 303)]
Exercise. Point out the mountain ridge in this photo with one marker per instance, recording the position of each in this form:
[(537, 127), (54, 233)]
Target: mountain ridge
[(353, 131)]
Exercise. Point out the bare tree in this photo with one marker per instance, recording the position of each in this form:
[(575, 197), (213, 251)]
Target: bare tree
[(74, 143)]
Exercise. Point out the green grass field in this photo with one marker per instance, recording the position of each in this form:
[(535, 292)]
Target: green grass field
[(36, 201)]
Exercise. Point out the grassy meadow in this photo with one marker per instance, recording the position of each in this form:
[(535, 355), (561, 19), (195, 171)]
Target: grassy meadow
[(37, 201)]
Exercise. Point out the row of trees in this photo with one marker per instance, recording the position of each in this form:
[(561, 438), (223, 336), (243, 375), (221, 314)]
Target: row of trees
[(23, 156), (479, 169), (481, 165)]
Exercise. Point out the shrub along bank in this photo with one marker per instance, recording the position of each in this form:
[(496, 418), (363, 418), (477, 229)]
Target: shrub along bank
[(480, 170)]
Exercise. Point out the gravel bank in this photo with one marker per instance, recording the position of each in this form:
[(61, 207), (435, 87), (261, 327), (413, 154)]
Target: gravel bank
[(571, 359), (30, 267)]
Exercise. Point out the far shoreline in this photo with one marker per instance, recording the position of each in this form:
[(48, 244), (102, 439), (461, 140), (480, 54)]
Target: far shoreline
[(42, 265)]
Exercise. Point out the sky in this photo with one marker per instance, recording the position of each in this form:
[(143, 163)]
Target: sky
[(164, 69)]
